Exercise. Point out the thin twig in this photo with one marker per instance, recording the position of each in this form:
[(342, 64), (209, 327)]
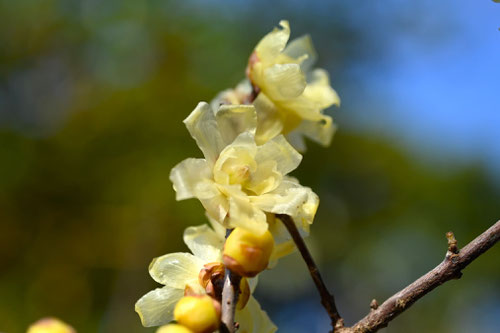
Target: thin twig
[(230, 293), (327, 299), (451, 268)]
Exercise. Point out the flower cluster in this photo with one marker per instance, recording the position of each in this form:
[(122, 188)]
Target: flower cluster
[(250, 137)]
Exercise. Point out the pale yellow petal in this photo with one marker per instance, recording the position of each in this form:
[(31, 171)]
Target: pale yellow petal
[(273, 43), (187, 175), (320, 131), (252, 283), (156, 307), (300, 47), (176, 270), (238, 95), (292, 199), (246, 215), (265, 178), (236, 161), (279, 150), (283, 81), (270, 120), (280, 251), (253, 319), (202, 126), (217, 227), (204, 243), (296, 139), (233, 120), (319, 91), (217, 206)]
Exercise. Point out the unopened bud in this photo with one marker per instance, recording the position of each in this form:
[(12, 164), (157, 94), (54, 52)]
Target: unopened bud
[(246, 253), (200, 314), (50, 325), (173, 328)]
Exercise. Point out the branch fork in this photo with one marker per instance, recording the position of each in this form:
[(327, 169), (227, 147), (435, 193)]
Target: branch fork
[(380, 315)]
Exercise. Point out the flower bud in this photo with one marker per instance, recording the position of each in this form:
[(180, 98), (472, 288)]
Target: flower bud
[(50, 325), (173, 328), (201, 314), (246, 253)]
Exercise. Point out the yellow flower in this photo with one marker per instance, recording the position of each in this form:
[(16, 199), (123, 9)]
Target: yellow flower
[(238, 181), (173, 328), (292, 96), (50, 325), (182, 273)]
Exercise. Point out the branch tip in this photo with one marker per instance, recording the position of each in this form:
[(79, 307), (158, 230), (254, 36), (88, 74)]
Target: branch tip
[(452, 242), (374, 304)]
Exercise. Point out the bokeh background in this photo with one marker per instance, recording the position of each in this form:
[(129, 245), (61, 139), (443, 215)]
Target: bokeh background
[(92, 95)]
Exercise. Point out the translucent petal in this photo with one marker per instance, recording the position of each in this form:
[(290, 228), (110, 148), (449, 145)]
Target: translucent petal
[(317, 96), (156, 307), (238, 95), (280, 151), (280, 251), (273, 43), (204, 243), (270, 120), (217, 227), (246, 215), (320, 131), (202, 126), (283, 81), (265, 179), (319, 90), (217, 206), (233, 120), (253, 320), (187, 175), (291, 199), (176, 269), (299, 47), (297, 141), (252, 283)]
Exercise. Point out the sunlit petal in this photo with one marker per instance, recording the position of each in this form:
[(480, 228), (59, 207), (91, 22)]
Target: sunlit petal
[(204, 243), (156, 307), (176, 269), (202, 126), (284, 81), (300, 47), (233, 120), (187, 175)]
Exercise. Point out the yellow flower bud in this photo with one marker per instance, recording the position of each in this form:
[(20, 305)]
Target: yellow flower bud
[(50, 325), (247, 253), (173, 328), (201, 314)]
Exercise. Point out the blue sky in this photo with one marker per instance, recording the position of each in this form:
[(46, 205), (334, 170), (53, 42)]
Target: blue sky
[(445, 96)]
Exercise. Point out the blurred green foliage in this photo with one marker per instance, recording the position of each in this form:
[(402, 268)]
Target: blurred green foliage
[(92, 98)]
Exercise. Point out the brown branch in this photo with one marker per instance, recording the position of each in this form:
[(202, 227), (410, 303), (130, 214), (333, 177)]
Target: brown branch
[(327, 299), (451, 268), (230, 293)]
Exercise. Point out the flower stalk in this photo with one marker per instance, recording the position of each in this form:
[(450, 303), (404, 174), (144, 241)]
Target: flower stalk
[(327, 299), (230, 294)]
